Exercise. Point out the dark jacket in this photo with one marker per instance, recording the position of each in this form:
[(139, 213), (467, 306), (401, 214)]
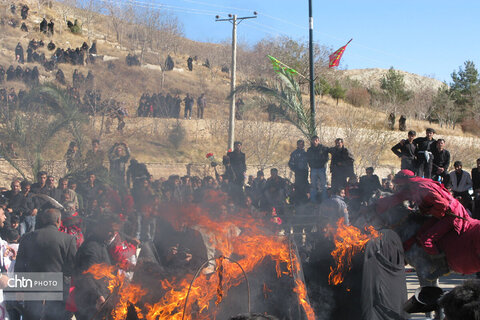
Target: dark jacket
[(46, 250), (298, 160), (441, 159), (317, 157), (341, 159), (476, 178), (368, 185), (87, 289), (238, 164), (406, 149)]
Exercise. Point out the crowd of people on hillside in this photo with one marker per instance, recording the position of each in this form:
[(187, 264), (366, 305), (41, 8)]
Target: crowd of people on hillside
[(168, 106)]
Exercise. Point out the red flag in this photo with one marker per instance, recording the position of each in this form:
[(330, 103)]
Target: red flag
[(337, 55)]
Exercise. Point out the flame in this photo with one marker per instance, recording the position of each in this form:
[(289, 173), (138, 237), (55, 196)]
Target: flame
[(240, 234), (348, 240)]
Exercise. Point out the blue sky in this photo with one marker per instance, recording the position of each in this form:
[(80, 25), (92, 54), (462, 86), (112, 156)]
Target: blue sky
[(431, 38)]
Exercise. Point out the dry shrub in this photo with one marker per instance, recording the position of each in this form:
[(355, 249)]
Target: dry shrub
[(359, 97), (471, 126)]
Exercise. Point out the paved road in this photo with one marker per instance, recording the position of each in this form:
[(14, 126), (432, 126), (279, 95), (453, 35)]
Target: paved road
[(447, 283)]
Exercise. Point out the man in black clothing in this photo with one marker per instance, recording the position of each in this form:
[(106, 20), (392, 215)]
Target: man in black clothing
[(44, 26), (406, 150), (24, 11), (341, 164), (41, 185), (90, 293), (441, 162), (189, 101), (19, 53), (476, 189), (47, 250), (299, 165), (368, 184), (237, 163), (424, 147)]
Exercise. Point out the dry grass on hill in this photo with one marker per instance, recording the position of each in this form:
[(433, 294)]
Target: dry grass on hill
[(266, 144)]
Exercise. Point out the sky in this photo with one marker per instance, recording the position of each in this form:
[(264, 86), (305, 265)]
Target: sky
[(429, 38)]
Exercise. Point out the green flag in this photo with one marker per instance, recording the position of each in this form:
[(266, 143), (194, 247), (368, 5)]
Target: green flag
[(277, 65)]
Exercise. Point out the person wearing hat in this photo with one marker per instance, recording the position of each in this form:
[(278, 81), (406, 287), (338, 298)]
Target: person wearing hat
[(450, 219)]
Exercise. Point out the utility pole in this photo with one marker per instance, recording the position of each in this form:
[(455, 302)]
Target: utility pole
[(312, 75), (235, 21)]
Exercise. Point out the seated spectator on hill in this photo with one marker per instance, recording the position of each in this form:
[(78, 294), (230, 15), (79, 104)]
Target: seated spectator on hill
[(51, 46), (132, 60), (2, 75), (24, 27), (369, 183), (93, 48)]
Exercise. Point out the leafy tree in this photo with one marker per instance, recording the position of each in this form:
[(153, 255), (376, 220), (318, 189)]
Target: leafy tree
[(287, 96), (394, 89), (443, 108), (464, 85), (337, 92), (322, 87), (50, 110)]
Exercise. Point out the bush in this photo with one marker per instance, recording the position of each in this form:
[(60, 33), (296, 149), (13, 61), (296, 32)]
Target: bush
[(359, 97), (177, 134)]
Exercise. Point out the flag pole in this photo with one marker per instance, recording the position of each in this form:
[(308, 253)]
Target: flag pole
[(312, 84)]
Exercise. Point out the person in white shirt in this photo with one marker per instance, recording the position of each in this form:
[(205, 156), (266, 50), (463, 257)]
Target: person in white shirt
[(461, 183)]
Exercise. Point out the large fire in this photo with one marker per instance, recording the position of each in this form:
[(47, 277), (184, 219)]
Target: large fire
[(240, 235), (348, 240)]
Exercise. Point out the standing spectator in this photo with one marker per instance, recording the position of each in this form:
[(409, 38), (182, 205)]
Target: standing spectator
[(44, 26), (190, 63), (19, 53), (368, 184), (461, 182), (47, 250), (50, 28), (135, 172), (238, 164), (29, 218), (299, 165), (118, 155), (90, 293), (258, 186), (24, 11), (476, 190), (73, 157), (41, 185), (341, 165), (274, 193), (406, 150), (90, 192), (317, 157), (95, 157), (441, 163), (188, 106), (201, 104), (424, 147)]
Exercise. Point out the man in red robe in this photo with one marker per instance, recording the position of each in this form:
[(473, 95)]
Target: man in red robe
[(451, 230)]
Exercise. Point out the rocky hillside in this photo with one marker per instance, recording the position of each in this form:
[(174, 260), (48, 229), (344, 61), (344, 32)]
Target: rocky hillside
[(370, 78)]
